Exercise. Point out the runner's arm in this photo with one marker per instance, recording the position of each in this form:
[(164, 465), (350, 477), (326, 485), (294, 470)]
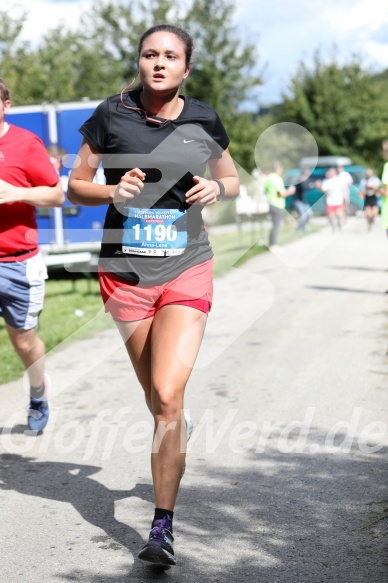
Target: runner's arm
[(39, 196), (287, 192)]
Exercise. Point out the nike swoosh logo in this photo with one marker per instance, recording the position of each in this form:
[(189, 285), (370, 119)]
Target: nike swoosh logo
[(187, 141)]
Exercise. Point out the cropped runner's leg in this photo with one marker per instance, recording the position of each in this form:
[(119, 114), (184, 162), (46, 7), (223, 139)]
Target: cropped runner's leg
[(177, 334)]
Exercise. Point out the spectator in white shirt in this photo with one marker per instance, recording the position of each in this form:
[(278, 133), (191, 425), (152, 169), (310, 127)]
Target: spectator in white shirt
[(332, 187)]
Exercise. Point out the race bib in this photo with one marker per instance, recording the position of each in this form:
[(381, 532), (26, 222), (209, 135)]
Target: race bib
[(160, 232)]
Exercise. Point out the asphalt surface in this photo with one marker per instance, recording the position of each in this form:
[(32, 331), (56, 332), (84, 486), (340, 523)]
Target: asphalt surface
[(286, 478)]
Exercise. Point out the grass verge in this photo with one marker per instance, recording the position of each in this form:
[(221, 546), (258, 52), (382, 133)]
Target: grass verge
[(74, 309)]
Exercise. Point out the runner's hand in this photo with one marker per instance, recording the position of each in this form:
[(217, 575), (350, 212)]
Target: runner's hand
[(204, 192), (9, 193), (130, 185)]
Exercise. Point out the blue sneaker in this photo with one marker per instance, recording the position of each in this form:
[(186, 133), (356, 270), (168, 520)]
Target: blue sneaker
[(160, 547), (38, 411)]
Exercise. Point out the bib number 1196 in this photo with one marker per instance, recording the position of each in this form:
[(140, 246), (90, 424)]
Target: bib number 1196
[(160, 232)]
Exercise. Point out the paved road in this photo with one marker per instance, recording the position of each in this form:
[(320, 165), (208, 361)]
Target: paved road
[(286, 479)]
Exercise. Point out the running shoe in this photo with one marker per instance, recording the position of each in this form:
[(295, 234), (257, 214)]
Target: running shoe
[(38, 411), (159, 549), (189, 431), (189, 426)]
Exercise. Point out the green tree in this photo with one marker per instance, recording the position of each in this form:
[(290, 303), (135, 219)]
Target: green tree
[(102, 53), (17, 61), (100, 58), (244, 134), (73, 68), (341, 106), (225, 73), (224, 69)]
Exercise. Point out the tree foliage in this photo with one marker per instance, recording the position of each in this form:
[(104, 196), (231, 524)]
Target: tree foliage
[(224, 67), (342, 106), (99, 58)]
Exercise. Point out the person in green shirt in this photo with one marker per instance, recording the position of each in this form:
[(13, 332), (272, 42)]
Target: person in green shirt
[(276, 194), (384, 188)]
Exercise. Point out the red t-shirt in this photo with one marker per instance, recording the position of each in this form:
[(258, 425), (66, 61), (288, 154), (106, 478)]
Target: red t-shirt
[(24, 162)]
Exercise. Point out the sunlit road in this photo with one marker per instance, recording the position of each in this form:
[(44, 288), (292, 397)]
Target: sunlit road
[(286, 478)]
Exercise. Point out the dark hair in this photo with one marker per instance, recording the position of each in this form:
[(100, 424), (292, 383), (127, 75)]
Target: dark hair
[(4, 91), (184, 36)]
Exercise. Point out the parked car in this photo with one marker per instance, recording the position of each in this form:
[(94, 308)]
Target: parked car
[(314, 197)]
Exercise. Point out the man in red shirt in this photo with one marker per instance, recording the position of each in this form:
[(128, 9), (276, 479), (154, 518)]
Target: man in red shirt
[(28, 179)]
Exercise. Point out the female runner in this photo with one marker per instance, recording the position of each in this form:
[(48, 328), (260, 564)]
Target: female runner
[(155, 265)]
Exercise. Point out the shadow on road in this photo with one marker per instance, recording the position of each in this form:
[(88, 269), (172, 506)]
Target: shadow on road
[(273, 522), (72, 483), (345, 289), (357, 268)]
